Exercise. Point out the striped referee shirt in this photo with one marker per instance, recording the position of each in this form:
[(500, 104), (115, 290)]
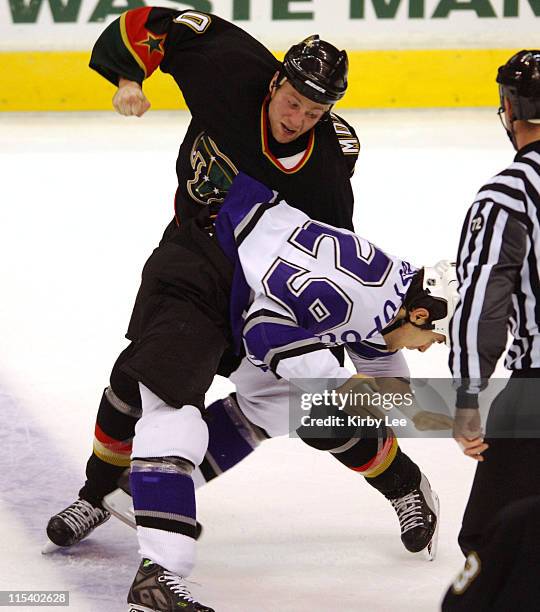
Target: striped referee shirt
[(498, 269)]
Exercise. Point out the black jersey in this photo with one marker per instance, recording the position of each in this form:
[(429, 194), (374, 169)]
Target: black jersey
[(224, 75), (502, 574)]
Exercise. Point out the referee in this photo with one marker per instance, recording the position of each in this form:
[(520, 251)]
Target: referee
[(498, 269)]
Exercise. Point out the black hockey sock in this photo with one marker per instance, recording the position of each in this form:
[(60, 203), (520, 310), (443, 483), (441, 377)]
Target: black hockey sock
[(399, 478), (101, 479), (114, 431), (358, 455)]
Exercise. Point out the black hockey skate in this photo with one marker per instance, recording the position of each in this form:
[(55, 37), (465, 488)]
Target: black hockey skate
[(418, 514), (157, 590), (75, 522)]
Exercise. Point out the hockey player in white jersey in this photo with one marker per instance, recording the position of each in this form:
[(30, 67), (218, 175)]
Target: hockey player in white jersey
[(297, 288)]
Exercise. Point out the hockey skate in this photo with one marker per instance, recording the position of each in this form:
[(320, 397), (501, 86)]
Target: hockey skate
[(74, 523), (157, 590), (418, 514)]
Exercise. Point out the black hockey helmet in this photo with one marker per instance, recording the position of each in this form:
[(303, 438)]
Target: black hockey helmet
[(317, 70), (519, 82)]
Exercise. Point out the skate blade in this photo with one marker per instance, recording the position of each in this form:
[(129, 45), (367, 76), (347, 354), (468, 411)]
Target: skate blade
[(137, 608), (430, 551), (120, 505), (50, 547)]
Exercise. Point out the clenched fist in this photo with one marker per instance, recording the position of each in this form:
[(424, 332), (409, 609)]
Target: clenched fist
[(129, 99)]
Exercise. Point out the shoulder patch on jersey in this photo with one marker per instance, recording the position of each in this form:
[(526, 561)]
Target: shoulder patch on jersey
[(477, 224), (350, 145)]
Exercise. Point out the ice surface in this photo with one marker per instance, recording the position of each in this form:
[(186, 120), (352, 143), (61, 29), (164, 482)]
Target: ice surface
[(85, 198)]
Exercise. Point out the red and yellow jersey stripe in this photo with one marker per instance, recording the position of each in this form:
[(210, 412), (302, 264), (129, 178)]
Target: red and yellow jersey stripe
[(146, 47)]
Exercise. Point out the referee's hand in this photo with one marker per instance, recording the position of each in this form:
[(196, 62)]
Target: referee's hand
[(468, 433)]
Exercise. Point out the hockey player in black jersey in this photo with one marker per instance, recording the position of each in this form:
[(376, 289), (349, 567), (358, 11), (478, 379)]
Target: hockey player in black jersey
[(249, 112)]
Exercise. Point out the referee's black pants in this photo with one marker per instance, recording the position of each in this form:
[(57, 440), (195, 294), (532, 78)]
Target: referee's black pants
[(511, 470)]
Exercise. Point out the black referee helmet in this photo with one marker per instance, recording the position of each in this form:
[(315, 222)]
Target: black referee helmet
[(519, 82)]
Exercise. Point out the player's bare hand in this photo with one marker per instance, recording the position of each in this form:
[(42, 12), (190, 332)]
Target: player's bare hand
[(432, 421), (468, 433), (129, 99)]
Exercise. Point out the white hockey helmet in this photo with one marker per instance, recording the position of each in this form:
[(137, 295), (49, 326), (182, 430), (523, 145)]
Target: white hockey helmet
[(440, 282)]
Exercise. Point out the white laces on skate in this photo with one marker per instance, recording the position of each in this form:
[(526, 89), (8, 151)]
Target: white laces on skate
[(177, 585), (409, 511), (81, 516)]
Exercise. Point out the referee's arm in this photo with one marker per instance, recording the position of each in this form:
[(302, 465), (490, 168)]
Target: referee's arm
[(490, 257)]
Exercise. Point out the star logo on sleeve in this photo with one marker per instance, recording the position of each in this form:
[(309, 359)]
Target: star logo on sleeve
[(153, 43)]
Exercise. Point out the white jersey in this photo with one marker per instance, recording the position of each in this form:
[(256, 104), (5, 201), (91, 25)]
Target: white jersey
[(306, 286)]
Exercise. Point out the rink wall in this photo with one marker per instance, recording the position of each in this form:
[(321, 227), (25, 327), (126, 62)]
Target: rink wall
[(403, 53)]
